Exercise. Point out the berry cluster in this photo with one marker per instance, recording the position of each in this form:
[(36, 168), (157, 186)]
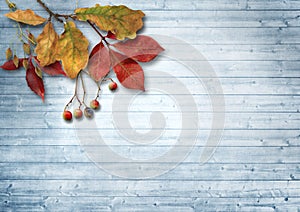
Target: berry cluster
[(88, 111)]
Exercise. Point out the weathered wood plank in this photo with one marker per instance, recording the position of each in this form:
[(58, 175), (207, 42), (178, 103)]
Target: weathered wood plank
[(104, 120), (148, 102), (274, 4), (228, 19), (233, 5), (57, 203), (61, 154), (238, 138), (150, 188), (178, 5), (203, 19), (57, 5), (231, 86), (221, 52), (223, 69), (184, 171), (240, 36)]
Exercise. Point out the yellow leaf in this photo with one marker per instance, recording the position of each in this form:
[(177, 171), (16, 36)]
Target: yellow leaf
[(8, 54), (16, 61), (38, 72), (72, 50), (47, 45), (120, 20), (26, 48), (26, 17), (31, 38)]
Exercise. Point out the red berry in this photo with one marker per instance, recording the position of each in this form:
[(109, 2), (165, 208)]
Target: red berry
[(88, 112), (67, 115), (77, 113), (113, 86), (94, 104)]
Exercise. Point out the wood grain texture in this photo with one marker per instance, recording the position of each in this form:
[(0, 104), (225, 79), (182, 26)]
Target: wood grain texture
[(254, 48)]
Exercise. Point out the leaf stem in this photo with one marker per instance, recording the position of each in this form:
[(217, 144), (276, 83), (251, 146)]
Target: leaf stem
[(76, 92), (75, 95), (83, 88), (102, 37), (56, 16)]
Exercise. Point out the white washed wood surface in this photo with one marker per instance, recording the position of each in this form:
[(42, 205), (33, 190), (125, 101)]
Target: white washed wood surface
[(254, 48)]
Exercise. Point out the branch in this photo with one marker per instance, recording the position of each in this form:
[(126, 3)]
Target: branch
[(49, 11), (102, 37)]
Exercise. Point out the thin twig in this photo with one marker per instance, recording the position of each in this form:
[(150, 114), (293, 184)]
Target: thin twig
[(75, 95), (83, 88), (70, 102), (49, 11), (102, 37)]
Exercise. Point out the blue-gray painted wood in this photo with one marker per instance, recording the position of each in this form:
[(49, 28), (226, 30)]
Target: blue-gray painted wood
[(254, 48)]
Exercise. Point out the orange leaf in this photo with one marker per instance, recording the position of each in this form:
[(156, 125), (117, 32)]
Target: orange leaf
[(120, 20), (47, 45), (72, 50), (26, 17), (129, 72)]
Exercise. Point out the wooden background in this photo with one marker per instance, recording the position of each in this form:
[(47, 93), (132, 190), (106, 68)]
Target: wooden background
[(253, 45)]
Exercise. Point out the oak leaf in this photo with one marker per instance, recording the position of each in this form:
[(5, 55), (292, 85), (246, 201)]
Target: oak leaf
[(72, 50), (128, 71), (142, 48), (120, 20), (26, 17), (34, 82), (99, 62), (47, 45)]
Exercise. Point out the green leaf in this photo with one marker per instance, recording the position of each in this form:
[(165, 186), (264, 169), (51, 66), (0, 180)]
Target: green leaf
[(120, 20)]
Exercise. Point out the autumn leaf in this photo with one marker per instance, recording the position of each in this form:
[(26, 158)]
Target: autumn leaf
[(72, 50), (26, 17), (8, 54), (99, 63), (111, 35), (31, 38), (53, 70), (26, 48), (46, 45), (129, 72), (34, 82), (120, 20), (39, 72), (10, 65), (142, 48), (16, 61), (96, 49)]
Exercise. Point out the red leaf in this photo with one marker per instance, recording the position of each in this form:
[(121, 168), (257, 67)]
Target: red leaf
[(53, 69), (99, 63), (129, 72), (111, 35), (10, 66), (34, 82), (95, 49), (142, 48)]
